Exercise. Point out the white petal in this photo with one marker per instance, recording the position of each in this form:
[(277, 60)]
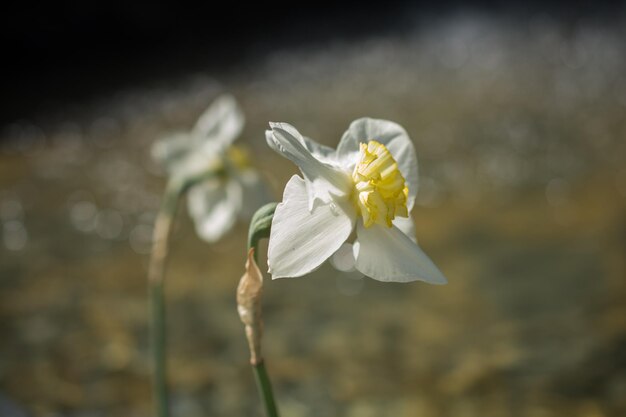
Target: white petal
[(322, 180), (170, 151), (214, 207), (220, 124), (387, 254), (407, 226), (300, 240), (390, 134), (194, 164), (343, 259), (322, 153)]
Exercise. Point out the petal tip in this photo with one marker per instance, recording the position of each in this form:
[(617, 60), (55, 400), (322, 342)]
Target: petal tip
[(441, 281)]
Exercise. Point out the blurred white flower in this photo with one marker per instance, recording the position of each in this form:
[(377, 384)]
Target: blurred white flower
[(368, 182), (223, 184)]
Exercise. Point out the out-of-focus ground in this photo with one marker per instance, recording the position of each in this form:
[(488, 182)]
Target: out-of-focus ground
[(520, 130)]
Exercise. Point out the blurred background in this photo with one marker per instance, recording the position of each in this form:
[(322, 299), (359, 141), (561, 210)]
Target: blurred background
[(518, 118)]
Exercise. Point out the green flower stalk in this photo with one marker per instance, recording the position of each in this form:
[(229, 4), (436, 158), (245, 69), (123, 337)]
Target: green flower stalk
[(156, 273), (249, 296)]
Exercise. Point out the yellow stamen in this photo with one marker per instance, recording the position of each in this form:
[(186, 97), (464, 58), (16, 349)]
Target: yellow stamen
[(239, 157), (380, 192)]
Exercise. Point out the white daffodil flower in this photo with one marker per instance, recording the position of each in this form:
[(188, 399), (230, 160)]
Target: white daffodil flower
[(369, 183), (225, 186)]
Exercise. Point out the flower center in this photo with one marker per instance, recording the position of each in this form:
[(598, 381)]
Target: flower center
[(238, 157), (380, 190)]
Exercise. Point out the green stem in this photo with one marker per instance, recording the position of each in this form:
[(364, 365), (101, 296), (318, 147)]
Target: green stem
[(157, 326), (156, 273), (260, 226), (265, 389)]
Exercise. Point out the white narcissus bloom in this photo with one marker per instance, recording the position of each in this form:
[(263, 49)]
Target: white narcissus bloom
[(224, 185), (369, 183)]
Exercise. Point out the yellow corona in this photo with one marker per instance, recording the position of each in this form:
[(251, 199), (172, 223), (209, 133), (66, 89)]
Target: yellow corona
[(380, 191)]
